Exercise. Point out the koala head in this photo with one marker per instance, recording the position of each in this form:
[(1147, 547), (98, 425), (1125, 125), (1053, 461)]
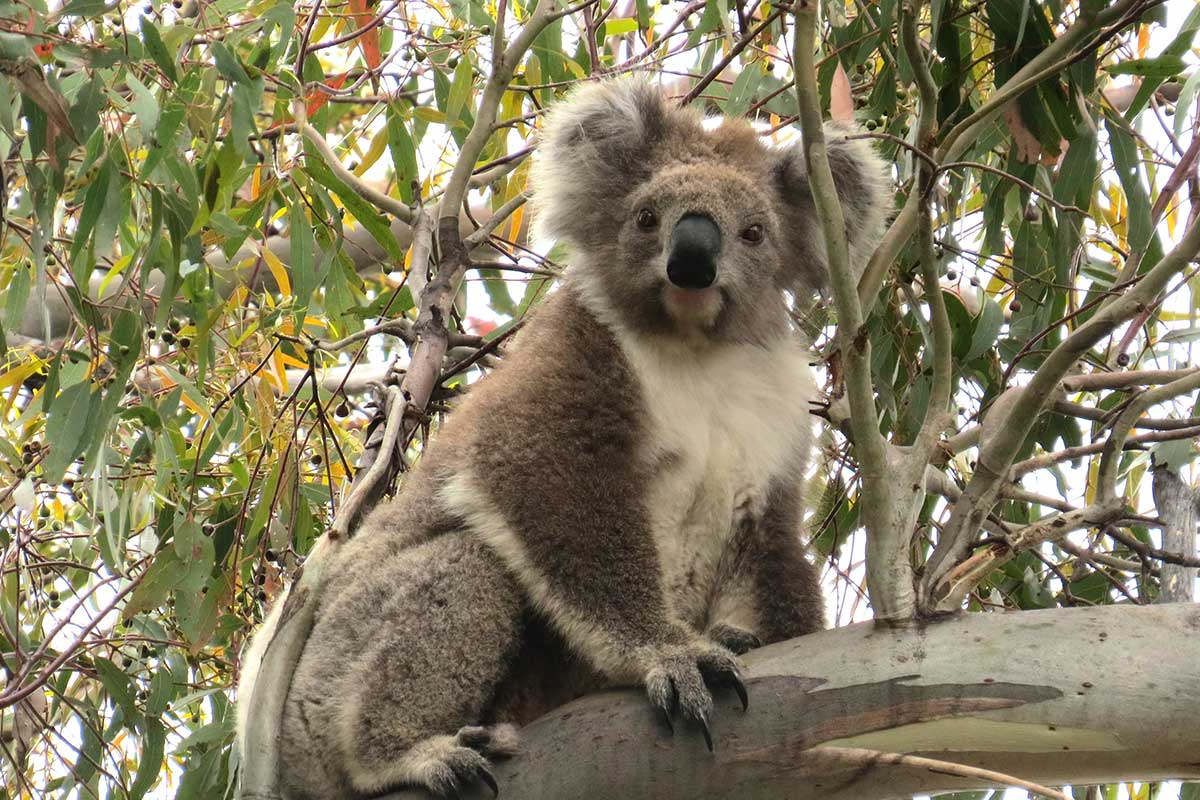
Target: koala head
[(682, 226)]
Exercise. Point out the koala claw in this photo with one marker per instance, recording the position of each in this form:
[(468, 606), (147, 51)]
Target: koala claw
[(666, 718), (484, 774), (707, 733), (678, 682), (459, 768), (740, 687)]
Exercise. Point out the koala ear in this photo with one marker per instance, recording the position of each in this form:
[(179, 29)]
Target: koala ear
[(864, 189), (593, 149)]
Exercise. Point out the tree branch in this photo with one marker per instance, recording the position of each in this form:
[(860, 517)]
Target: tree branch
[(363, 189), (1058, 54), (997, 454), (950, 690)]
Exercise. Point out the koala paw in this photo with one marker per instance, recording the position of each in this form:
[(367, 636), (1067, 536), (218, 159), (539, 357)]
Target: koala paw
[(679, 678), (458, 768), (738, 640), (447, 765)]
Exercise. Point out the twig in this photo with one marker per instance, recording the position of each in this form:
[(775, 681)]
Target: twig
[(872, 758), (1146, 551), (1070, 453), (1097, 381), (478, 237), (1107, 475), (954, 586), (360, 187), (728, 58)]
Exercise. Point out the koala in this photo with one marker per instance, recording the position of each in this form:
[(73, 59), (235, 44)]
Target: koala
[(619, 503)]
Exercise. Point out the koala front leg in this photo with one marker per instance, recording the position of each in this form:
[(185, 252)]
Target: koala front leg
[(766, 590), (595, 578)]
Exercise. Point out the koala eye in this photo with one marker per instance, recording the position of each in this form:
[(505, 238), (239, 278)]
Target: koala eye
[(647, 219), (753, 234)]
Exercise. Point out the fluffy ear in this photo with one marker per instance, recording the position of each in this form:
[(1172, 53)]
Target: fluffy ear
[(593, 149), (864, 189)]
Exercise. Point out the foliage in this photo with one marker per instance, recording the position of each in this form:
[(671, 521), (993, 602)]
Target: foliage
[(177, 257)]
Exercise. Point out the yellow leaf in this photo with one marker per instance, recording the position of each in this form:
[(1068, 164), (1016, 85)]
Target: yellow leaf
[(114, 272), (1092, 480), (195, 407), (256, 183), (17, 375), (278, 270), (237, 298), (280, 371), (429, 115), (292, 361), (514, 224), (374, 151), (575, 68)]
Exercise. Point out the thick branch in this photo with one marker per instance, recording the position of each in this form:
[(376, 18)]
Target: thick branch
[(951, 690)]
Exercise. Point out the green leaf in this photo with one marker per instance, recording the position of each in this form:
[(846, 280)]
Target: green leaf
[(1160, 67), (68, 422), (460, 91), (987, 328), (150, 762), (17, 295), (157, 49), (14, 46), (117, 683), (145, 106), (167, 572), (1142, 236), (93, 204), (741, 94), (1174, 455), (367, 215), (1183, 107), (227, 63), (404, 152)]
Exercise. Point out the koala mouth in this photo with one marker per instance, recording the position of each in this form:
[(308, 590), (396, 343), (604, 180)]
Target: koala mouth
[(692, 307)]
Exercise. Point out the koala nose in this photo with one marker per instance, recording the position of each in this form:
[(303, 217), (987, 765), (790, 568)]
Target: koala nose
[(695, 243)]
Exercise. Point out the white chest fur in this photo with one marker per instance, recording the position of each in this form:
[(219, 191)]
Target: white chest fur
[(722, 424)]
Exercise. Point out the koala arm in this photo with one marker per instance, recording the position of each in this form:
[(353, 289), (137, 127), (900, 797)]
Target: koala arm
[(767, 589)]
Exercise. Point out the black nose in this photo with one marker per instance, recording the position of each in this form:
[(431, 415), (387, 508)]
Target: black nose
[(695, 243)]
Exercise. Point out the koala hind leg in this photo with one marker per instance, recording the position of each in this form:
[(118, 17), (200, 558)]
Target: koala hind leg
[(412, 648)]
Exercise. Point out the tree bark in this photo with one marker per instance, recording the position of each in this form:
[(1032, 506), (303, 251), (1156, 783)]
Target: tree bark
[(1176, 504), (1062, 696)]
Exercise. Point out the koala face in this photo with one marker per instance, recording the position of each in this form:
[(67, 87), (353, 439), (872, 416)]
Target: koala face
[(682, 227), (697, 252)]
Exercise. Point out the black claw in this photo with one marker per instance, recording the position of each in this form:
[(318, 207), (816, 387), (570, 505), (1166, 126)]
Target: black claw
[(707, 733), (666, 718), (740, 688), (487, 777)]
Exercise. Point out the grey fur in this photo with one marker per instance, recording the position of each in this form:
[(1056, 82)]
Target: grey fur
[(561, 535)]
